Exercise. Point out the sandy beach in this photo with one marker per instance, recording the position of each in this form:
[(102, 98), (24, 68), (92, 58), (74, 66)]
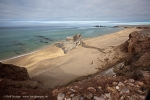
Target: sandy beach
[(53, 67)]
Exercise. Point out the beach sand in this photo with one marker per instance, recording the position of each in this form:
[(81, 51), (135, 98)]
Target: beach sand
[(53, 67)]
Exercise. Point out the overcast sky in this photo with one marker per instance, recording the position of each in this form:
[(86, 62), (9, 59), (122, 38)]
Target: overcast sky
[(74, 10)]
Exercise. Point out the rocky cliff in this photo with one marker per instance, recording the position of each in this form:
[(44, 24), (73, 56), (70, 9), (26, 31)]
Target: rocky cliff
[(14, 79), (8, 71)]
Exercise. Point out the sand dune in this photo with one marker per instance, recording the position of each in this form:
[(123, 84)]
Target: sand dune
[(53, 67)]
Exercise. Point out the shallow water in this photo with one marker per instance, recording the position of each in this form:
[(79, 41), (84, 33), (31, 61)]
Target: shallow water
[(16, 41)]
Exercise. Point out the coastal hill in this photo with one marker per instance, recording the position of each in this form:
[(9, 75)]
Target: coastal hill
[(127, 78)]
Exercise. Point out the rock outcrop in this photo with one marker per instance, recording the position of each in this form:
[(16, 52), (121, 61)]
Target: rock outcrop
[(139, 42), (70, 43), (138, 46), (13, 72), (14, 78)]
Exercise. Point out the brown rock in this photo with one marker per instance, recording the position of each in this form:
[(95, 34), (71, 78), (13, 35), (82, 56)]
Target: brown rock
[(78, 97), (88, 95), (72, 95), (60, 96), (140, 83), (111, 89), (69, 92), (91, 89), (55, 92), (115, 83), (131, 80), (107, 95)]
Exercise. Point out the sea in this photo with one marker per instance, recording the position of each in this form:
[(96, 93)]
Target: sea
[(16, 41)]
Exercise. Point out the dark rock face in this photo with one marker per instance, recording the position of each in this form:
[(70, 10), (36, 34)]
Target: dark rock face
[(15, 80), (139, 42), (13, 72), (138, 46), (70, 43)]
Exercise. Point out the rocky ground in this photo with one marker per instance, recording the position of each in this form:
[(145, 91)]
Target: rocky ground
[(127, 80)]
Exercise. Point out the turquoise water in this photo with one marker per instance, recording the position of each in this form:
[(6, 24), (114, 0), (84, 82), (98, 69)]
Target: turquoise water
[(15, 41)]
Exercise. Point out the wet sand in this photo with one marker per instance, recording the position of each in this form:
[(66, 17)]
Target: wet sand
[(53, 67)]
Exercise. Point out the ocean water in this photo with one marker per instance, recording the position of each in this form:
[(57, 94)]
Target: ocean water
[(15, 41)]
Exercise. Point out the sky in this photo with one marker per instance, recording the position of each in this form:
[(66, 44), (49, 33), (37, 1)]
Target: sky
[(44, 11)]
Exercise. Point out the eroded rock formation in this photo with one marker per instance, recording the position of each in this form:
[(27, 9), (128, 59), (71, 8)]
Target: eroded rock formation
[(70, 43)]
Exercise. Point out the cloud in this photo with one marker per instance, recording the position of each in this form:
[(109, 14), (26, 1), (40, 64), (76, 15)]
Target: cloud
[(74, 10)]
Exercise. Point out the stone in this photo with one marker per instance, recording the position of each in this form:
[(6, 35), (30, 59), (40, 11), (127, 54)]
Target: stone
[(102, 97), (125, 90), (76, 87), (72, 95), (134, 97), (88, 95), (131, 80), (137, 86), (121, 86), (78, 97), (72, 90), (97, 98), (125, 81), (60, 96), (117, 87), (140, 83), (122, 97), (91, 89), (99, 87), (142, 97), (139, 91), (55, 91), (67, 98), (111, 89), (107, 95), (115, 83), (131, 84), (69, 92)]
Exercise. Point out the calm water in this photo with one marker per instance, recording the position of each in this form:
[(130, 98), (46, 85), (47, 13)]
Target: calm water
[(16, 41)]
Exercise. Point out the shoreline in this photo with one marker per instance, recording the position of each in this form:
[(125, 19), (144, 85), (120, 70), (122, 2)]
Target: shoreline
[(34, 51), (47, 46)]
